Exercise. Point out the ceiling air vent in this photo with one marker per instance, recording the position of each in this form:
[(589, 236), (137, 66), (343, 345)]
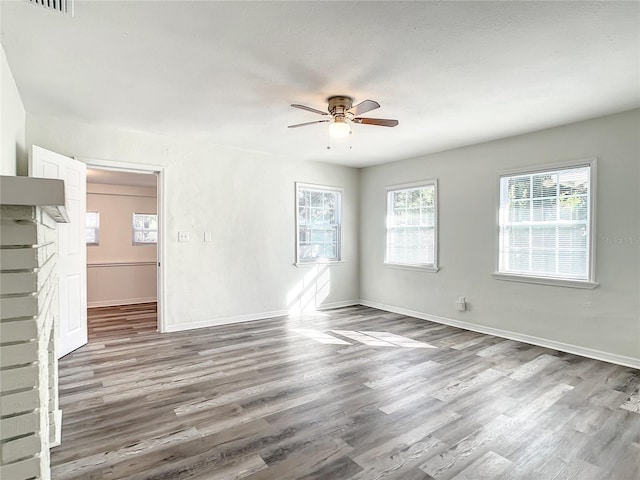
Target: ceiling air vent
[(62, 6)]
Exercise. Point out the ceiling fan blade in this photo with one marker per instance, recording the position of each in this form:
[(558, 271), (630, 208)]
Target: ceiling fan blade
[(364, 107), (309, 109), (383, 122), (307, 123)]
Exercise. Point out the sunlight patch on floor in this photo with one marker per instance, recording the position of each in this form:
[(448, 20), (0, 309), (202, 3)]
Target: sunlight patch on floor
[(373, 339), (319, 336)]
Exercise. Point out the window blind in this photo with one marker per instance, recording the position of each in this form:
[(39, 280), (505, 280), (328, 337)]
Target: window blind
[(545, 222), (411, 225)]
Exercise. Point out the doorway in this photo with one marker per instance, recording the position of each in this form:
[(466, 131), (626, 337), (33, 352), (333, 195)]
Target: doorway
[(125, 240)]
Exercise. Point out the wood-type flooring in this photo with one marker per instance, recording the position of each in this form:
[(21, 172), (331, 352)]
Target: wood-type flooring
[(353, 393)]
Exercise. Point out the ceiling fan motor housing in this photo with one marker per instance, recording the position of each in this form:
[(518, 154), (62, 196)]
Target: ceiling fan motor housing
[(339, 105)]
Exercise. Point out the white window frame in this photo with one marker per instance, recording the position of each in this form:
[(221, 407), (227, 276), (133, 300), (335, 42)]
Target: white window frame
[(319, 188), (96, 229), (411, 186), (134, 230), (590, 282)]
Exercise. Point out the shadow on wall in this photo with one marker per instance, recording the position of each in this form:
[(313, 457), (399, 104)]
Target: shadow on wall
[(311, 291), (22, 160)]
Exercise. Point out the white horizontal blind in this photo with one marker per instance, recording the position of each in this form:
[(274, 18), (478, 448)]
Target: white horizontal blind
[(411, 225), (318, 223), (92, 232), (545, 223)]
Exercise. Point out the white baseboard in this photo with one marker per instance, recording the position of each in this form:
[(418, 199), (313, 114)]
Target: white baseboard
[(124, 301), (254, 316), (345, 303), (214, 322), (520, 337)]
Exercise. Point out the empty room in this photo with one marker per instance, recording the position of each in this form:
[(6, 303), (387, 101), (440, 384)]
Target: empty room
[(320, 240)]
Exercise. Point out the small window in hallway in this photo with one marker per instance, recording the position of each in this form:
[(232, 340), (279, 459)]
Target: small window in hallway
[(93, 228), (145, 228)]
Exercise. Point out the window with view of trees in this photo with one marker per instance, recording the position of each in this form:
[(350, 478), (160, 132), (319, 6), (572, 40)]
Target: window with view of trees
[(545, 223), (145, 228), (412, 225), (318, 223)]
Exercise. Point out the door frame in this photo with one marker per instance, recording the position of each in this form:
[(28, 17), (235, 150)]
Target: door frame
[(161, 174)]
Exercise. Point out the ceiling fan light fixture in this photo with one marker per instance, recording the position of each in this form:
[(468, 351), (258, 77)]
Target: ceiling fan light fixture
[(339, 128)]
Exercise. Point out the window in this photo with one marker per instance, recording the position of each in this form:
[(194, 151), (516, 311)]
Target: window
[(92, 232), (546, 224), (318, 223), (145, 228), (412, 225)]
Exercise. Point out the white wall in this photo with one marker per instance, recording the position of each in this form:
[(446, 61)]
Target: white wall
[(118, 272), (12, 122), (245, 199), (605, 319)]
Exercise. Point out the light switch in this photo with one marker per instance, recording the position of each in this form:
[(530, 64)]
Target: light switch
[(183, 236), (208, 237)]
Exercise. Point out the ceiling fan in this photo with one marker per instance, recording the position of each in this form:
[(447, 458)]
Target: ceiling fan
[(342, 112)]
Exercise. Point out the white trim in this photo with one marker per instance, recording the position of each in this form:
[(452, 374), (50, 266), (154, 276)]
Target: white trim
[(411, 185), (543, 167), (319, 262), (436, 230), (557, 282), (139, 195), (120, 264), (319, 188), (214, 322), (124, 301), (520, 337), (162, 250), (592, 163), (416, 268), (114, 165), (341, 304), (160, 171), (593, 188)]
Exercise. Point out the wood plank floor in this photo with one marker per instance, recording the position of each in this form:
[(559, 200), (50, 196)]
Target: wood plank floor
[(120, 322), (353, 393)]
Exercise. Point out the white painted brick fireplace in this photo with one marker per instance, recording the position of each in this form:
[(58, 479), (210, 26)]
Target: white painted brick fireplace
[(30, 419)]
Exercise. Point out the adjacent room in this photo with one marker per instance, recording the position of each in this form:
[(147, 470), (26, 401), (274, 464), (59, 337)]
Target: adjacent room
[(320, 240)]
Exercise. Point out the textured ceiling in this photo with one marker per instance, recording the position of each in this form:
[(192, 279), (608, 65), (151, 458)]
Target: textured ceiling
[(452, 73)]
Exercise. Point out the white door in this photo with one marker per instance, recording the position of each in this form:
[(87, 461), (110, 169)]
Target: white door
[(72, 252)]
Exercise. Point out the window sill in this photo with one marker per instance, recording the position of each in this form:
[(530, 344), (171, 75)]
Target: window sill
[(314, 264), (418, 268), (556, 282)]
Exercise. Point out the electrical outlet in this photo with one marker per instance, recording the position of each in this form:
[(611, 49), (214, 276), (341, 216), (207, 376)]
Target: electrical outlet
[(461, 304), (183, 236)]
